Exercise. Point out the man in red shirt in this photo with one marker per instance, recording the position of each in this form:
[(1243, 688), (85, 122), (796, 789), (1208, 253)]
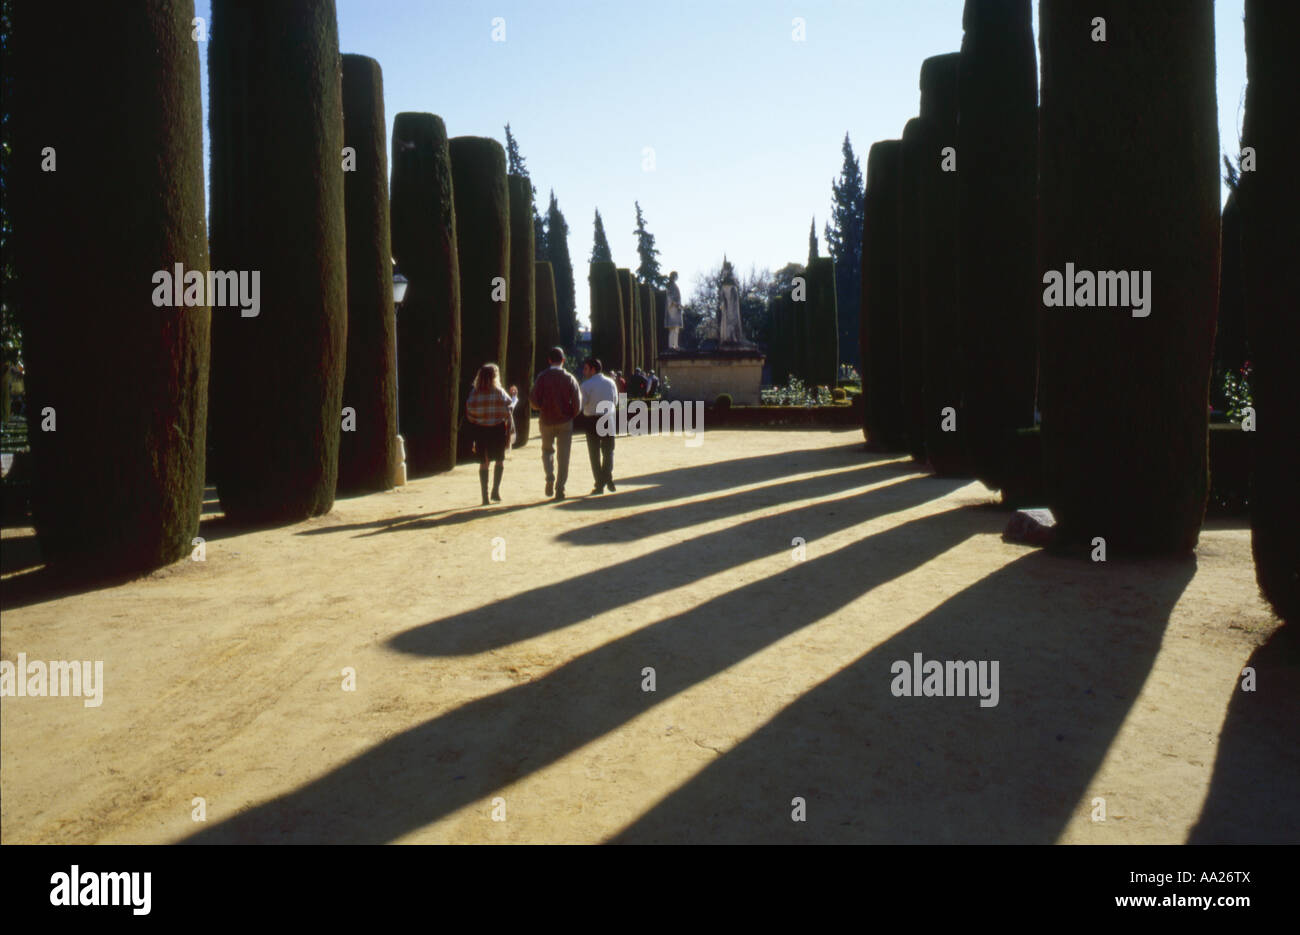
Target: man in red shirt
[(556, 396)]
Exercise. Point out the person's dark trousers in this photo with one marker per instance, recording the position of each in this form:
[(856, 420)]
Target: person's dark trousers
[(600, 449)]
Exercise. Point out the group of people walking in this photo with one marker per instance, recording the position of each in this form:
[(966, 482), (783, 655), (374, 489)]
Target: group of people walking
[(563, 405)]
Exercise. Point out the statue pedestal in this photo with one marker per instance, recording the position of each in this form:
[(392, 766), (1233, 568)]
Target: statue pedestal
[(704, 375)]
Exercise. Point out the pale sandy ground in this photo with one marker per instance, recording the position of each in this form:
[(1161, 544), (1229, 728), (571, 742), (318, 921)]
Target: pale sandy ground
[(520, 680)]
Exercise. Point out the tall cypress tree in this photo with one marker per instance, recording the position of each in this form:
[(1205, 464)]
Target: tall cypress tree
[(548, 325), (522, 331), (116, 383), (428, 323), (844, 242), (884, 418), (812, 240), (539, 233), (940, 320), (277, 207), (606, 314), (1128, 180), (648, 271), (627, 298), (913, 157), (997, 142), (368, 444), (600, 244), (822, 323), (557, 252), (478, 173), (649, 336), (1270, 224)]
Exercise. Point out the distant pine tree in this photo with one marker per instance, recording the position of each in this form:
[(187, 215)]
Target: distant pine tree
[(557, 253), (600, 248), (844, 241), (812, 240), (648, 272)]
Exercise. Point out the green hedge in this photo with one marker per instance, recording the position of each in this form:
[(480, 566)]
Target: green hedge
[(1270, 210), (277, 206), (606, 315), (367, 454), (118, 485), (478, 175), (428, 323), (884, 420), (997, 291), (520, 350), (1124, 399)]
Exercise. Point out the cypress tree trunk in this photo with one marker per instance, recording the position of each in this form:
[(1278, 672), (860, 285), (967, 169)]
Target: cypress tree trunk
[(368, 452), (627, 298), (478, 175), (520, 352), (649, 352), (913, 154), (1270, 211), (1129, 181), (823, 323), (118, 479), (940, 320), (277, 207), (547, 318), (998, 152), (880, 327), (428, 323), (607, 339)]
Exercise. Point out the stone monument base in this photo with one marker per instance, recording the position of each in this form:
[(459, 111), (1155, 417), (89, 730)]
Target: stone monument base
[(705, 375)]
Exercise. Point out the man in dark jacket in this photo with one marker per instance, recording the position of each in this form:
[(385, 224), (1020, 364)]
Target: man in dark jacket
[(557, 397)]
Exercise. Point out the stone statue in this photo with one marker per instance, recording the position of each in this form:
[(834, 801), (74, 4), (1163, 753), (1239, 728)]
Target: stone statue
[(729, 331), (673, 312)]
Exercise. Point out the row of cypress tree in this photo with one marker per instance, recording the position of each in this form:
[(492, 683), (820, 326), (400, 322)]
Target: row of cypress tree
[(805, 332), (303, 399), (1116, 169)]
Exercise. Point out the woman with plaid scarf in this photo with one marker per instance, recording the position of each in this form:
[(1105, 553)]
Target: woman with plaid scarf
[(491, 425)]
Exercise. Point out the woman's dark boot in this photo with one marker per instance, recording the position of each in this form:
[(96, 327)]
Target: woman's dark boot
[(482, 482), (496, 481)]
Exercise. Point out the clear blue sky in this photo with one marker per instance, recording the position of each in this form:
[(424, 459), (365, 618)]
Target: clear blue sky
[(746, 124)]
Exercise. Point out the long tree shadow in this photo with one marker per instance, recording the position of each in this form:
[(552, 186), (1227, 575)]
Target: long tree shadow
[(640, 523), (552, 607), (1255, 792), (654, 487), (425, 773), (1074, 644)]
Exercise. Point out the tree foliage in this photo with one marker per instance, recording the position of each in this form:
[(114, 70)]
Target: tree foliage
[(557, 254), (844, 244), (600, 246), (649, 271)]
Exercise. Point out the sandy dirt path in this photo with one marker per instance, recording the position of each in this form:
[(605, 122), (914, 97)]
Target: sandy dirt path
[(514, 688)]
